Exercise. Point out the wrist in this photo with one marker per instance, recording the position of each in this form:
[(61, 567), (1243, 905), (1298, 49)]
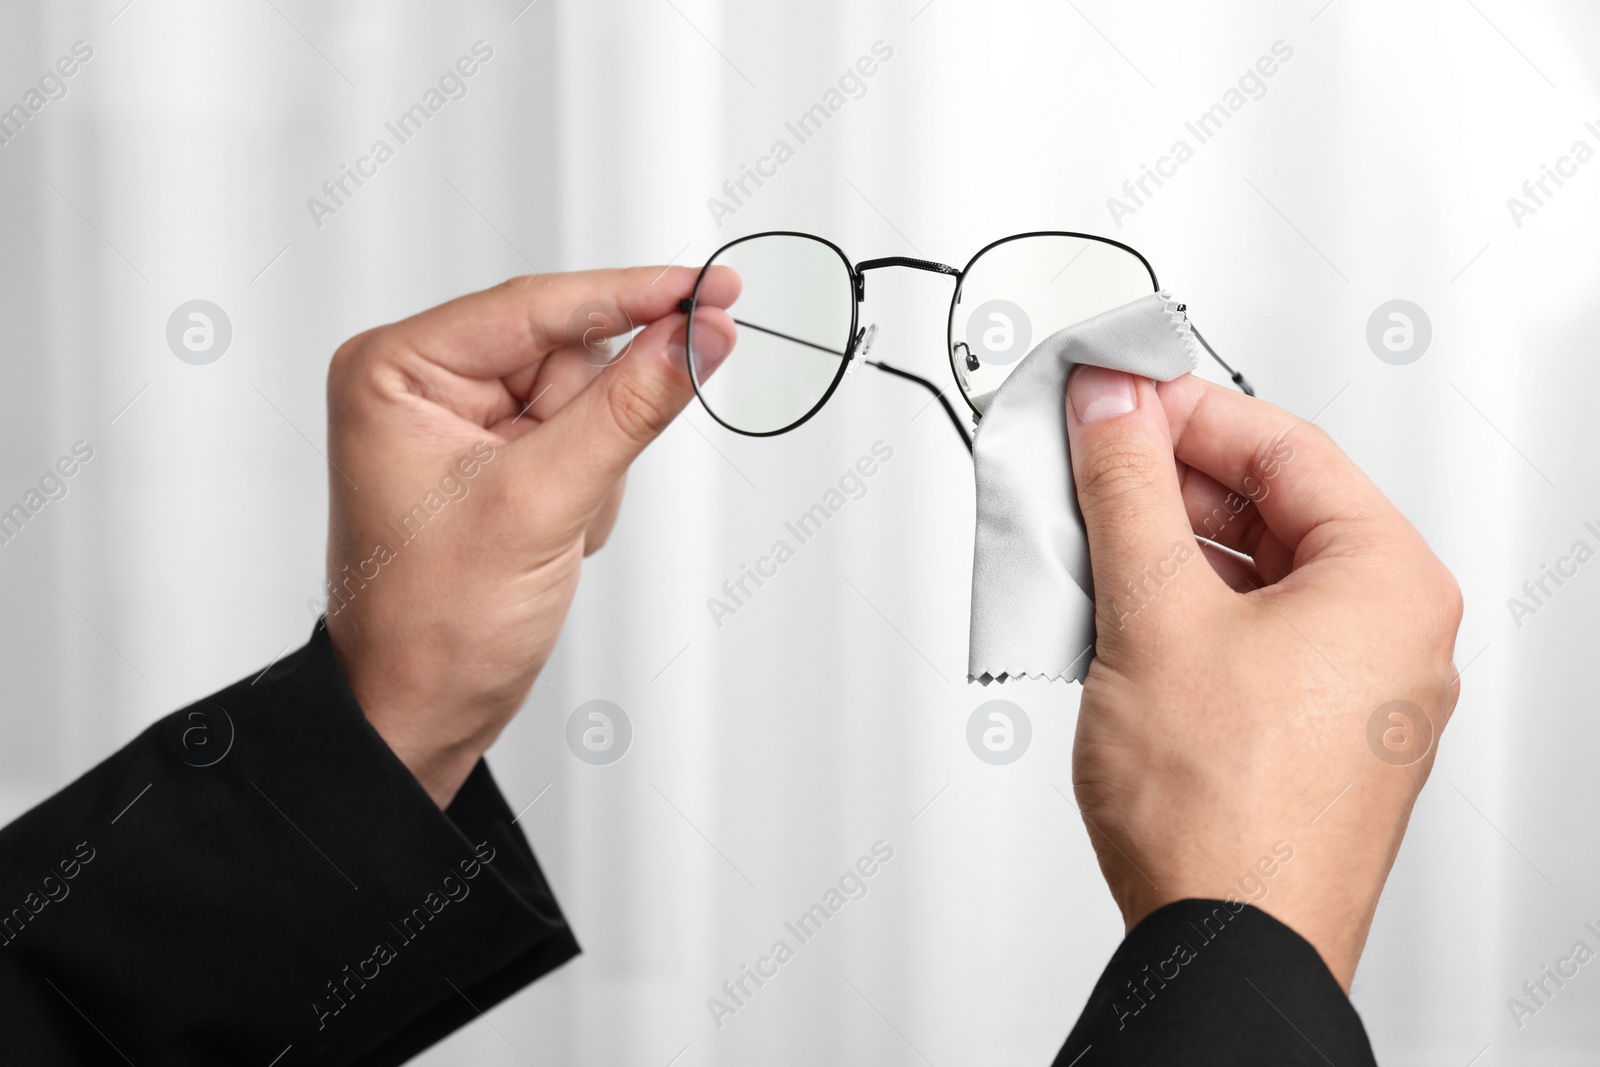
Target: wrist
[(437, 731), (440, 769)]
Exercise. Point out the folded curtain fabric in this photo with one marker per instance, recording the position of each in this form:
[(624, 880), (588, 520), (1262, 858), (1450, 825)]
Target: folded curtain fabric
[(1032, 590)]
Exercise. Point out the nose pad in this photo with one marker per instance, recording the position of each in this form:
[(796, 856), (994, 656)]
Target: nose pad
[(864, 338), (967, 364)]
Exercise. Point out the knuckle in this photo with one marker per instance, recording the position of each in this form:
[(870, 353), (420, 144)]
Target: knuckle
[(517, 284), (640, 408), (351, 364), (1111, 474), (1450, 598), (1271, 454), (369, 363), (521, 287), (1447, 707), (1434, 597), (1451, 688), (349, 356)]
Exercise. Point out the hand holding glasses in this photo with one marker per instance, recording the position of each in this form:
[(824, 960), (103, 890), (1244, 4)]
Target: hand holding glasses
[(800, 308)]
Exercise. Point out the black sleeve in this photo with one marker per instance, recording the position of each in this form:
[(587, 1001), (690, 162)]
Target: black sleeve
[(1203, 982), (258, 879)]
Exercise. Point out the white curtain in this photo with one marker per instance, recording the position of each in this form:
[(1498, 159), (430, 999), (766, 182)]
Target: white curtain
[(829, 713)]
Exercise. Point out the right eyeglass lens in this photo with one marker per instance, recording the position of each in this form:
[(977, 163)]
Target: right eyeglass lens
[(793, 317), (1018, 293)]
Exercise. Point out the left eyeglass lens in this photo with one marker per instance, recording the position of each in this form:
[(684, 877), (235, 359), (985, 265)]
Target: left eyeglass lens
[(793, 317), (1019, 292)]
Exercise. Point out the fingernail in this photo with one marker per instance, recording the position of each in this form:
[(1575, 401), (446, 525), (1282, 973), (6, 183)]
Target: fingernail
[(1096, 393)]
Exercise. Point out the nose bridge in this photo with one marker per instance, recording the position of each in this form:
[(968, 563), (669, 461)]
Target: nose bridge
[(899, 261)]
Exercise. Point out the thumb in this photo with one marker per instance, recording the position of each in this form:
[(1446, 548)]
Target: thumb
[(1140, 540), (587, 445)]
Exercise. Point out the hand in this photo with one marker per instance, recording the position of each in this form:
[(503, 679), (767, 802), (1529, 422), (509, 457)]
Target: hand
[(1229, 702), (478, 453)]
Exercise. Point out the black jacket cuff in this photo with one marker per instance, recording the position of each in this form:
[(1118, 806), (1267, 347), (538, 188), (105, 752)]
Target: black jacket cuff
[(264, 877), (1202, 982)]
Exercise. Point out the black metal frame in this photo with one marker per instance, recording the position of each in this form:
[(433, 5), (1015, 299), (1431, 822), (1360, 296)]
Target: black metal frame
[(858, 285)]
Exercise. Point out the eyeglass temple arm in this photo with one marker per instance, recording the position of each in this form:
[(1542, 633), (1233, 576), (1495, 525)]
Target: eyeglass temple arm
[(686, 305), (955, 420), (1238, 378), (944, 402), (787, 337)]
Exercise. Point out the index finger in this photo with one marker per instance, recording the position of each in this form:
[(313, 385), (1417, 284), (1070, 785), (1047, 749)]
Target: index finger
[(498, 331), (1301, 482)]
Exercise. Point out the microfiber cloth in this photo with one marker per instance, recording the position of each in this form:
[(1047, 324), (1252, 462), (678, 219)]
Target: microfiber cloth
[(1032, 590)]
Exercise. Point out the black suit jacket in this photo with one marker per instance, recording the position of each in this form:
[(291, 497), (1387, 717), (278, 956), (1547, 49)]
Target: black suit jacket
[(258, 876), (1213, 982)]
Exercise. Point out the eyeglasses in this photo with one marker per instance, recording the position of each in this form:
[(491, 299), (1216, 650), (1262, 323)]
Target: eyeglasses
[(800, 304)]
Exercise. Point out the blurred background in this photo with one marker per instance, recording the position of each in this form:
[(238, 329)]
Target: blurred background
[(829, 713)]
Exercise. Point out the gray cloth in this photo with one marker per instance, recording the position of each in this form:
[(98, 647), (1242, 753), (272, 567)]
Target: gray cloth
[(1032, 592)]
